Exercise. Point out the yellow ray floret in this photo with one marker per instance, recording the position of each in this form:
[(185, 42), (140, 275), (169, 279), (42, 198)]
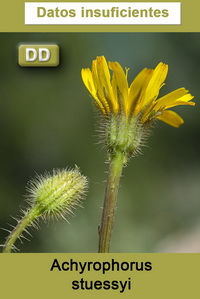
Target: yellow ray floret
[(113, 95)]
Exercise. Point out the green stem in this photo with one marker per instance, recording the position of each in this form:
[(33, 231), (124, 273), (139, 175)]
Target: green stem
[(30, 216), (107, 221)]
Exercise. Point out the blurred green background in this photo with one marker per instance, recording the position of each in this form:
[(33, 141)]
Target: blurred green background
[(47, 121)]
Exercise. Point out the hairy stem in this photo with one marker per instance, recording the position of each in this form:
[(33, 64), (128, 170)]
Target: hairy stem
[(107, 221), (30, 216)]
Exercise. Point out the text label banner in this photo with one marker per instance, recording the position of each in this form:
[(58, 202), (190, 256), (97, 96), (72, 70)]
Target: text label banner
[(102, 13)]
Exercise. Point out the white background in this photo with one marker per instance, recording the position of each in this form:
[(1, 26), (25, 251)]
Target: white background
[(174, 10)]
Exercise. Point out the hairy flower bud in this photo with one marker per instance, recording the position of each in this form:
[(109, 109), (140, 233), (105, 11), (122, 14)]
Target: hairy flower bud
[(57, 194), (50, 195)]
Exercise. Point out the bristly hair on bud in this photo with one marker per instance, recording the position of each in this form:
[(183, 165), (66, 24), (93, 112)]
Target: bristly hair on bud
[(57, 194), (52, 195)]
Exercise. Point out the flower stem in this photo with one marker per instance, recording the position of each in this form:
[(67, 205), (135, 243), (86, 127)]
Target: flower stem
[(105, 232), (30, 216)]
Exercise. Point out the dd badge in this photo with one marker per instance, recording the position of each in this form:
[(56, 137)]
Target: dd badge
[(38, 55)]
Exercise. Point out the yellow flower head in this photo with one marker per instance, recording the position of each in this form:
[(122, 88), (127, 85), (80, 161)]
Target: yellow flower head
[(114, 96)]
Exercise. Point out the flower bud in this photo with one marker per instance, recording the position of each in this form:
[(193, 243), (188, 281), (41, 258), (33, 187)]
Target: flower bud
[(57, 194)]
